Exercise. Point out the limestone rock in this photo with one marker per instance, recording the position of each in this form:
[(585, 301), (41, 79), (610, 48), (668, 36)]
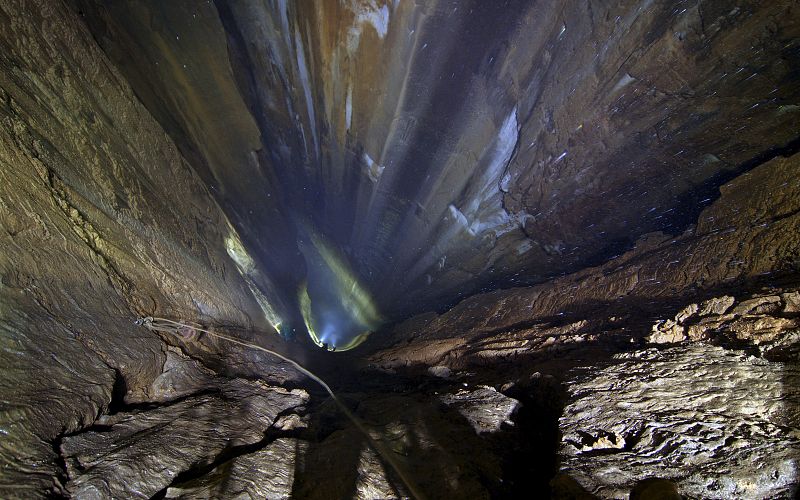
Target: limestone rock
[(758, 320), (502, 129), (180, 376), (655, 489), (517, 317), (758, 305), (667, 332), (101, 220), (264, 474), (761, 329), (718, 423), (672, 331), (786, 348), (608, 159), (716, 306), (599, 441), (486, 409), (709, 326), (137, 454), (564, 487), (291, 422), (440, 371), (340, 466), (437, 447), (372, 479), (791, 301), (686, 313)]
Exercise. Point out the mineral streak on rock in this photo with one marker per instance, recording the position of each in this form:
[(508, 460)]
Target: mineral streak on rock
[(746, 243)]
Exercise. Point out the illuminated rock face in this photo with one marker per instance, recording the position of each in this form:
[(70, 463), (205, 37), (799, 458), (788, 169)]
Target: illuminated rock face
[(554, 197), (338, 311), (447, 146), (663, 423)]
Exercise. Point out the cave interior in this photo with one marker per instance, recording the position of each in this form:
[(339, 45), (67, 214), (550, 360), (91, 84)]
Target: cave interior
[(399, 249)]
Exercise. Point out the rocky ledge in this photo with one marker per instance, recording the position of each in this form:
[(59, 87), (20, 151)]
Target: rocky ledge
[(713, 407)]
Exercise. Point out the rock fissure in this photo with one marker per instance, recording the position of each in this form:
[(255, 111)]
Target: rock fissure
[(62, 475)]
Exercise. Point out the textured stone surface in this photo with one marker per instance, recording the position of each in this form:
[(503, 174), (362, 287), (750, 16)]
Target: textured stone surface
[(716, 305), (165, 158), (137, 454), (101, 221), (719, 423), (564, 487), (180, 376), (435, 444), (48, 388), (792, 301), (449, 145), (486, 409), (372, 481), (727, 248), (667, 332), (267, 473), (764, 322)]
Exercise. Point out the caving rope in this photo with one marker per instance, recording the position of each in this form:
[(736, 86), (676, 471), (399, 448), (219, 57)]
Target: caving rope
[(174, 327)]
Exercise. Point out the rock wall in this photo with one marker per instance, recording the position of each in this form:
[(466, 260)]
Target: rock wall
[(678, 360), (447, 146), (749, 234), (102, 221), (139, 454)]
